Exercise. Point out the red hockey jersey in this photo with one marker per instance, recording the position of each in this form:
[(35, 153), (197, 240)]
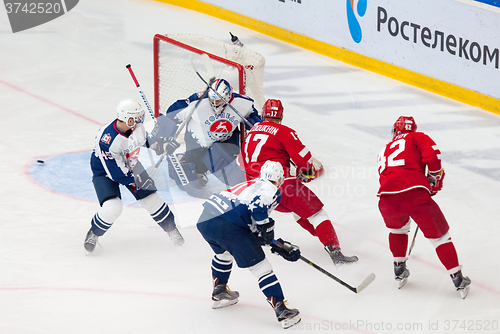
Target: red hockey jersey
[(402, 163), (276, 142)]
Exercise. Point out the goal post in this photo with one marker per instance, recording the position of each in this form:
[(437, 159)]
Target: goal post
[(176, 60)]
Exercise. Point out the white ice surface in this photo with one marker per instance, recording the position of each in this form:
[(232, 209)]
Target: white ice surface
[(61, 81)]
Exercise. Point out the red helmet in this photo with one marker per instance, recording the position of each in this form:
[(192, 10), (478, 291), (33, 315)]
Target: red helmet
[(404, 124), (273, 109)]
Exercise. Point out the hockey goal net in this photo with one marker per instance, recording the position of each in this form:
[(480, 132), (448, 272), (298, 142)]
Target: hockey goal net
[(177, 58)]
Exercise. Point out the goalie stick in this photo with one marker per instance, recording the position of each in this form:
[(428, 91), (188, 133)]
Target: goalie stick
[(205, 59), (209, 87), (367, 281)]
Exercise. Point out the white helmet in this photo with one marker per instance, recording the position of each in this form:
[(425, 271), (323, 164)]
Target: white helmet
[(272, 171), (129, 109), (224, 89)]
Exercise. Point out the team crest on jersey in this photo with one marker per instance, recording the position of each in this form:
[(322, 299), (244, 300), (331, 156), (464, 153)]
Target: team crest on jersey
[(220, 130), (106, 139)]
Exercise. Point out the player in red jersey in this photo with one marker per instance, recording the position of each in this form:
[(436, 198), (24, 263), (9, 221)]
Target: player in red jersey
[(270, 140), (405, 192)]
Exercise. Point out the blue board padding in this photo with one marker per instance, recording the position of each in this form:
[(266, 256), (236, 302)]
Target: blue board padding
[(495, 3)]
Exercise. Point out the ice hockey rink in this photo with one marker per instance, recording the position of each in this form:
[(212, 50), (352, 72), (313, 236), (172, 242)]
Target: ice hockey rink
[(61, 81)]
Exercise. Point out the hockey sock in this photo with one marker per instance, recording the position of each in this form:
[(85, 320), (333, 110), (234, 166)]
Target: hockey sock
[(159, 210), (446, 252), (448, 256), (99, 226), (270, 286), (307, 226), (164, 217), (268, 282), (398, 243), (327, 235), (110, 211), (221, 269)]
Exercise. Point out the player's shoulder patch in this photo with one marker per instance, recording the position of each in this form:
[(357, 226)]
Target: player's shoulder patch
[(106, 138)]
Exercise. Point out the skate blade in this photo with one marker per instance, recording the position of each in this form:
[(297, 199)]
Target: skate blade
[(402, 282), (287, 323), (464, 292), (223, 303), (346, 263)]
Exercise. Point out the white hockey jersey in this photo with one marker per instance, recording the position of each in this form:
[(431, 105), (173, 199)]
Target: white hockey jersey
[(206, 127), (116, 154)]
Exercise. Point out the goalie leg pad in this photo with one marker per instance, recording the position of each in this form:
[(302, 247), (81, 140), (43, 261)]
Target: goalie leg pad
[(189, 170), (220, 160), (231, 175), (219, 155)]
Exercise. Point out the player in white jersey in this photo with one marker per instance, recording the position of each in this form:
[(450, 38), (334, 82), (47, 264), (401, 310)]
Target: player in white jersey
[(212, 134), (114, 161), (235, 223)]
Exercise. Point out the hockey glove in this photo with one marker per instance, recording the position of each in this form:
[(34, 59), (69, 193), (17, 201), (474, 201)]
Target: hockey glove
[(306, 176), (315, 171), (143, 181), (436, 181), (266, 232), (167, 145), (286, 250)]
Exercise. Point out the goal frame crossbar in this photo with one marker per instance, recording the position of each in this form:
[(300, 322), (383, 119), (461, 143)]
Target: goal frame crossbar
[(159, 37)]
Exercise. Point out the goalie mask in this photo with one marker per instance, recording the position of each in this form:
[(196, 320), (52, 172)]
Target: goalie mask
[(129, 109), (404, 124), (224, 90), (272, 171), (273, 109)]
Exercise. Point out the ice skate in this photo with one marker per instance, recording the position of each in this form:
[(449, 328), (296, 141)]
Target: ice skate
[(401, 273), (176, 237), (286, 317), (223, 296), (462, 283), (90, 241), (338, 258)]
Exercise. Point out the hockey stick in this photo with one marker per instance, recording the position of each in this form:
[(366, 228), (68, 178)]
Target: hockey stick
[(209, 87), (413, 241), (129, 67), (173, 159), (184, 180), (357, 289)]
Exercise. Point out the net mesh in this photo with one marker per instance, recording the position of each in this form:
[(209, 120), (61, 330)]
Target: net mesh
[(176, 67)]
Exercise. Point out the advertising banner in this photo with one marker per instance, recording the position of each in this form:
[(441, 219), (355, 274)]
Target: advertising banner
[(451, 41)]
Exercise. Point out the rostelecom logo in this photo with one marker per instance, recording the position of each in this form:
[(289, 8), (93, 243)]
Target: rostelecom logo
[(26, 14), (352, 20)]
